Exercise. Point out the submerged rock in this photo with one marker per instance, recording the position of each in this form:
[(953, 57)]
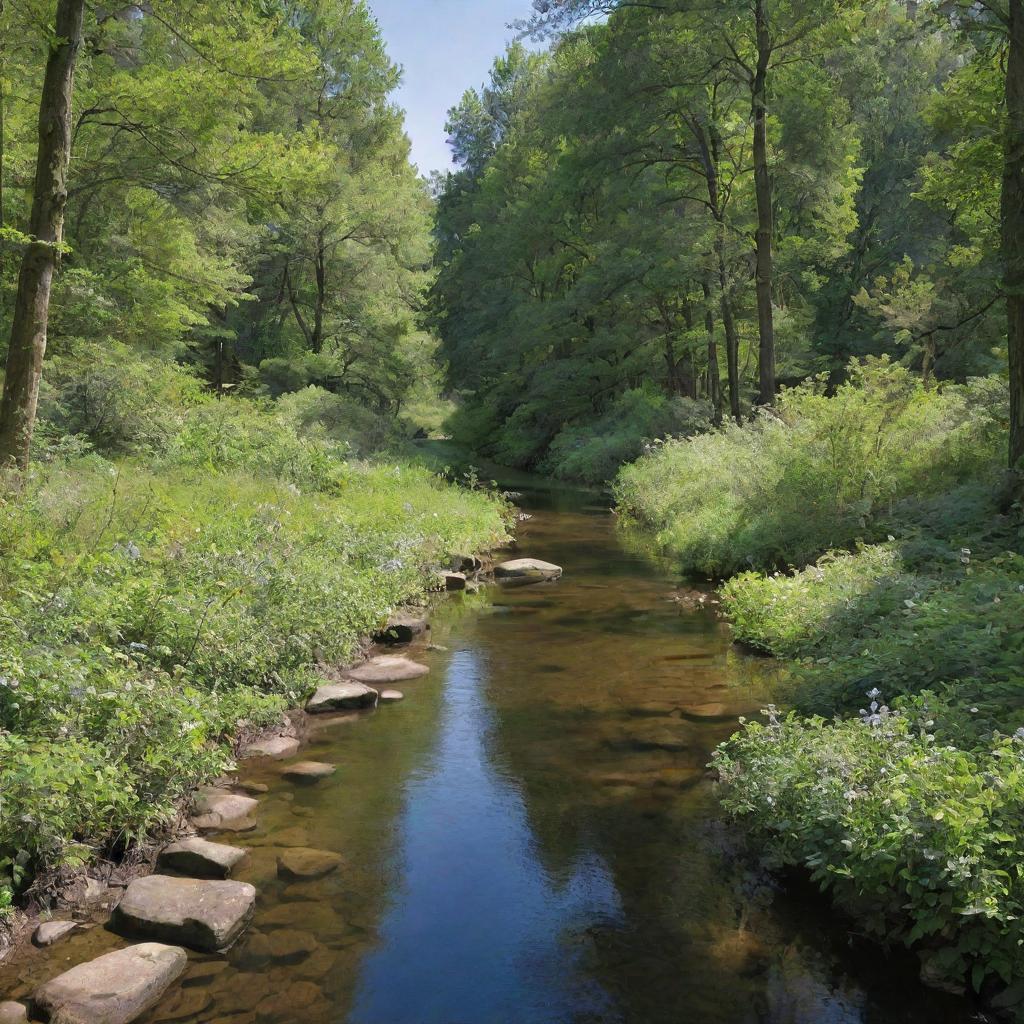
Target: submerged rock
[(115, 988), (402, 629), (308, 772), (207, 916), (527, 570), (302, 863), (341, 697), (50, 932), (387, 668), (200, 858), (272, 746), (391, 696)]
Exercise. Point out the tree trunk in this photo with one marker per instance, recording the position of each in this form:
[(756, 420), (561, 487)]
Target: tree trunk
[(765, 226), (714, 376), (49, 197), (1013, 227), (321, 292)]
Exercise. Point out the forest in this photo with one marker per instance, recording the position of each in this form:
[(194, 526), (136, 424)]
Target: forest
[(750, 270)]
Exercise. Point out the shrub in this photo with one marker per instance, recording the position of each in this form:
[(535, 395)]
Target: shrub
[(115, 399), (594, 452), (790, 615), (918, 840), (817, 474)]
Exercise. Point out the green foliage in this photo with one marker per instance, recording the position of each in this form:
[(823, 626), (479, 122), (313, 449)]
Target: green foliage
[(916, 838), (787, 615), (595, 453), (147, 610), (818, 474)]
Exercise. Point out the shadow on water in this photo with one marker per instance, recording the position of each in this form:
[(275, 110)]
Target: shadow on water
[(531, 836)]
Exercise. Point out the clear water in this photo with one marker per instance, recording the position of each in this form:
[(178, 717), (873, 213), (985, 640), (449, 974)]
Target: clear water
[(531, 836)]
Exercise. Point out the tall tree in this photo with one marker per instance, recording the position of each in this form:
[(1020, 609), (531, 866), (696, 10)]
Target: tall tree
[(32, 304), (1013, 224)]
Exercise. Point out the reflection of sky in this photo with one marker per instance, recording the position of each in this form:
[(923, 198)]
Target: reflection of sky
[(478, 932)]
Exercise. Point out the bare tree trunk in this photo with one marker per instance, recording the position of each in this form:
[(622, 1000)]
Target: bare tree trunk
[(1013, 227), (49, 197), (714, 376), (765, 216), (321, 292)]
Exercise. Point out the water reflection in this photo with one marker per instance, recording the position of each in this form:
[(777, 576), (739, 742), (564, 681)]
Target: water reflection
[(479, 931)]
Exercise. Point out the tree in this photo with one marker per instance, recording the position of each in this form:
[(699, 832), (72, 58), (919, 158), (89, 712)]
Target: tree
[(1013, 224), (32, 305)]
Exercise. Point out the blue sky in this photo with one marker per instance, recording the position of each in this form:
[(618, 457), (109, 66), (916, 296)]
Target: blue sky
[(445, 47)]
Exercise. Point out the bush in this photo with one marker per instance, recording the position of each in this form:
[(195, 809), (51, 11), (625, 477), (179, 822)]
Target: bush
[(320, 414), (817, 474), (116, 400), (918, 840), (790, 615), (594, 452)]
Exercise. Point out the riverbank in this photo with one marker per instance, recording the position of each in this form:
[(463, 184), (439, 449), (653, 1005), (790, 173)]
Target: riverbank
[(883, 551), (147, 611)]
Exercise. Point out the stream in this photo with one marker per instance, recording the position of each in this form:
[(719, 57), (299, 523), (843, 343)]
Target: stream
[(531, 836)]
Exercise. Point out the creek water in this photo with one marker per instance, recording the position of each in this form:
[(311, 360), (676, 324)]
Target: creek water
[(531, 835)]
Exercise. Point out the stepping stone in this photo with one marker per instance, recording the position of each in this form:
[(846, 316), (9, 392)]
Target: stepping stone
[(308, 772), (303, 864), (402, 629), (272, 746), (391, 696), (202, 915), (254, 788), (51, 931), (527, 570), (341, 697), (223, 807), (387, 668), (199, 858), (215, 823), (115, 988), (13, 1013), (454, 580)]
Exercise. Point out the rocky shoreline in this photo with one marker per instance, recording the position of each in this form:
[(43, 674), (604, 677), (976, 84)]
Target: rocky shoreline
[(175, 893)]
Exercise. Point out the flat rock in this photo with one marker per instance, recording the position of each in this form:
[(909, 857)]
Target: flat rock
[(402, 629), (527, 570), (215, 823), (272, 746), (341, 697), (12, 1013), (301, 863), (253, 788), (200, 858), (391, 696), (50, 932), (115, 988), (307, 772), (387, 668), (454, 580), (207, 916), (226, 807)]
